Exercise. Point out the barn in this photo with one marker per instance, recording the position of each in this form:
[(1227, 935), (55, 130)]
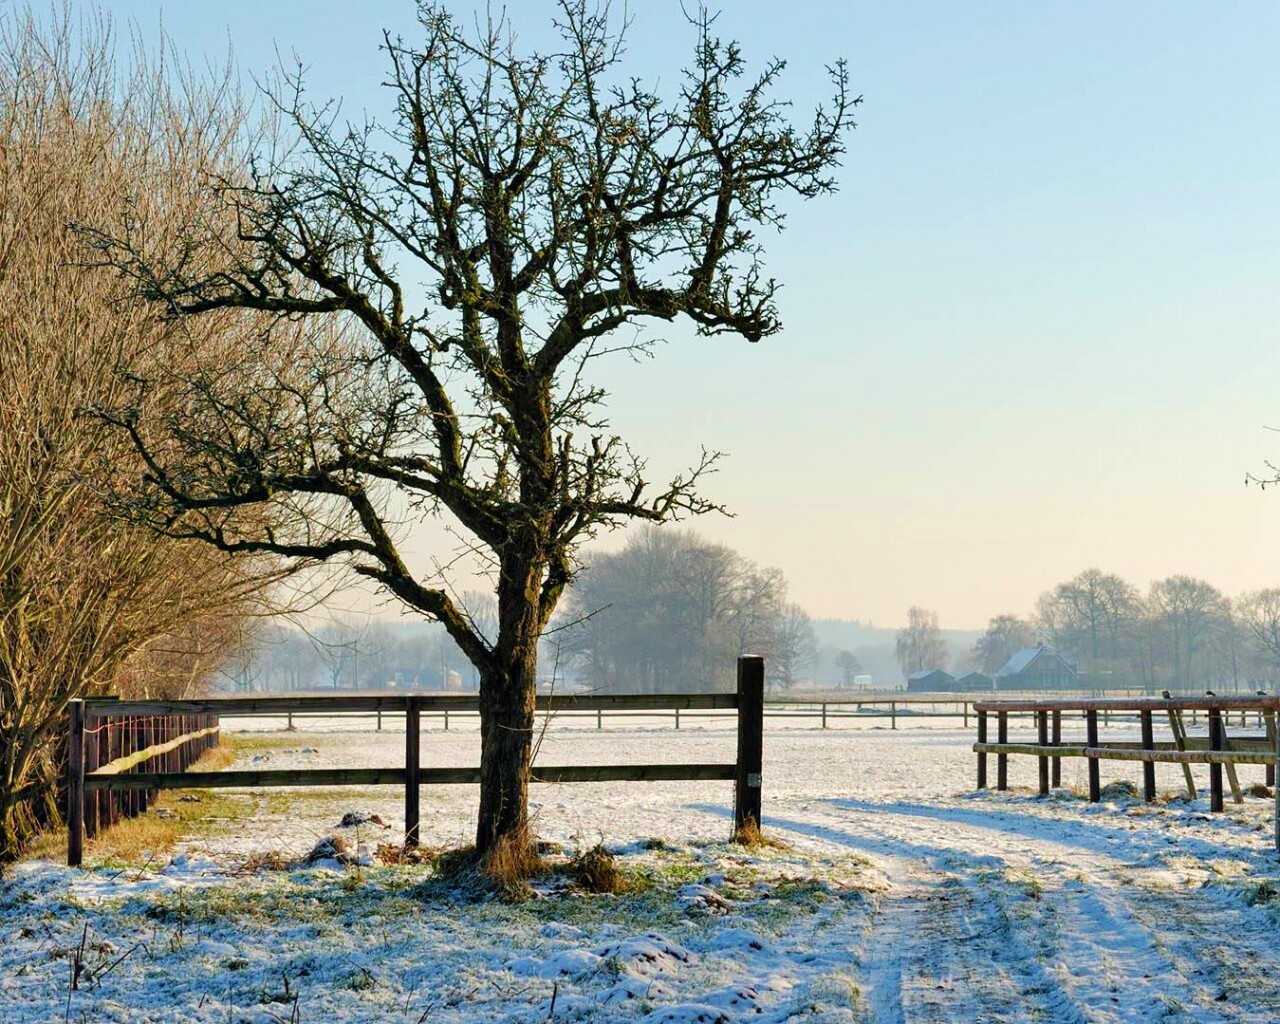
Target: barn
[(931, 680), (974, 682)]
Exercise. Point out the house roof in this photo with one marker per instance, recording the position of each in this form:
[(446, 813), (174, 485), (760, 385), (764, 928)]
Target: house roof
[(1022, 659), (926, 673), (973, 675)]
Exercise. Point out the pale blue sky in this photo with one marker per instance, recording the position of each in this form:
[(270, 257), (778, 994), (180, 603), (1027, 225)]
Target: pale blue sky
[(1035, 331)]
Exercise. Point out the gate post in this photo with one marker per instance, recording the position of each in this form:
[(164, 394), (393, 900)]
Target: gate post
[(746, 784)]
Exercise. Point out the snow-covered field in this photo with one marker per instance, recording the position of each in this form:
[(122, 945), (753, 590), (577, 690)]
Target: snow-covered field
[(904, 897)]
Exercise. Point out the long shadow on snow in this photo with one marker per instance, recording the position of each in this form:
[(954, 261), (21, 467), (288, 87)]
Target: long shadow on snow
[(1131, 846)]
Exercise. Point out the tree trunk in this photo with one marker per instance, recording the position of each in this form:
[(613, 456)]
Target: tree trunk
[(507, 695)]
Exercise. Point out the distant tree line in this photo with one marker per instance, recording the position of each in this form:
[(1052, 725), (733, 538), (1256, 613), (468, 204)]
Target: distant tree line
[(1182, 633), (671, 612)]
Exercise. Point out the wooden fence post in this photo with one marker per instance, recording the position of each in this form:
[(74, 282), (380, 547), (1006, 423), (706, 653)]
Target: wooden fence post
[(1042, 760), (1002, 759), (893, 714), (1215, 767), (1056, 740), (1276, 792), (1148, 767), (75, 783), (1091, 740), (824, 714), (747, 782), (1270, 717), (982, 754), (412, 767)]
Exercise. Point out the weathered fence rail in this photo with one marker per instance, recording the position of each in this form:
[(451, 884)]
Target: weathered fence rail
[(110, 744), (1219, 751), (745, 771)]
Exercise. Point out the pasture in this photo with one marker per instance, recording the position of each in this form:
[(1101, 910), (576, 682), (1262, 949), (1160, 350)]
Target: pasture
[(900, 893)]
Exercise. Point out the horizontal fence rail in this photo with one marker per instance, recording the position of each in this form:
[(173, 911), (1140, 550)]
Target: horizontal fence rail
[(120, 778), (1219, 751)]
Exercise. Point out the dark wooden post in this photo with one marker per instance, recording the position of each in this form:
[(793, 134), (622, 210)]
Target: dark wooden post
[(1148, 767), (1091, 740), (1215, 767), (75, 783), (1042, 737), (412, 767), (1056, 741), (746, 785), (1002, 759), (982, 754), (1270, 718)]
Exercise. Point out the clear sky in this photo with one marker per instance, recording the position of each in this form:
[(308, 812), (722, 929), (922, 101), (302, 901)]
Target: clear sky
[(1035, 331)]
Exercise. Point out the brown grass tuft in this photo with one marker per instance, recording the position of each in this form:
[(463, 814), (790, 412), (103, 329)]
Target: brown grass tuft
[(513, 860), (596, 871), (750, 835), (1258, 789), (270, 860), (396, 853)]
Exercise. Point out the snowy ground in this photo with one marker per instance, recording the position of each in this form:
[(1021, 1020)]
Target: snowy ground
[(905, 897)]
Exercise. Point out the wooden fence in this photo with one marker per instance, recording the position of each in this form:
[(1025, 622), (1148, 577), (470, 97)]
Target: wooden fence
[(116, 780), (111, 743), (1220, 751)]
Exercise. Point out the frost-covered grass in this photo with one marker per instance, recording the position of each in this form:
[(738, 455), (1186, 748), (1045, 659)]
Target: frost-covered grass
[(901, 896)]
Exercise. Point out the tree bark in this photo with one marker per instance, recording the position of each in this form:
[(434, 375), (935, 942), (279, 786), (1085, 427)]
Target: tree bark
[(507, 700)]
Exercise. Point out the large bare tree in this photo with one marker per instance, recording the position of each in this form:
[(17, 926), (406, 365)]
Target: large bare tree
[(518, 216)]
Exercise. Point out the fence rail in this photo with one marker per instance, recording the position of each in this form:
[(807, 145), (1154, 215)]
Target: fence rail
[(1218, 750), (119, 779), (112, 746)]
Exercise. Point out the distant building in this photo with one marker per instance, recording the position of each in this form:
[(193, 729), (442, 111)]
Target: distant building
[(1036, 668), (974, 682), (932, 680)]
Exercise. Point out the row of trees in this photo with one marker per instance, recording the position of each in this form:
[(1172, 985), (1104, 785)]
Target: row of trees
[(1181, 633), (90, 604), (671, 612)]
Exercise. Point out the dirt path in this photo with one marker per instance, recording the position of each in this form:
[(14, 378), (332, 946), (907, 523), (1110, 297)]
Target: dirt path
[(996, 916)]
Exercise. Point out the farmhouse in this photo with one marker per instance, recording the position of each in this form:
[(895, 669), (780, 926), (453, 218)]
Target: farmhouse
[(1036, 668), (931, 680)]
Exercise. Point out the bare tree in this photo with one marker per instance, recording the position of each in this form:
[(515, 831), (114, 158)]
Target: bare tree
[(796, 647), (1188, 616), (920, 645), (1005, 635), (1259, 613), (849, 665), (1092, 616), (550, 206)]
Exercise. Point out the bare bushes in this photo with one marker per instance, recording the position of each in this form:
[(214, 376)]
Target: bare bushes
[(87, 602)]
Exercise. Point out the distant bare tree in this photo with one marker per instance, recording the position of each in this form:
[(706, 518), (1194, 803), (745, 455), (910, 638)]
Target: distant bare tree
[(849, 665), (1188, 616), (548, 205), (1092, 616), (1004, 636), (795, 648), (920, 645), (1259, 613)]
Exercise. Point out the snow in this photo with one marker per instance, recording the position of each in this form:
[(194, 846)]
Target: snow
[(905, 897)]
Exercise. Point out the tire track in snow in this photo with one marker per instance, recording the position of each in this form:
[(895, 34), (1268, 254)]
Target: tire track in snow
[(1086, 951)]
